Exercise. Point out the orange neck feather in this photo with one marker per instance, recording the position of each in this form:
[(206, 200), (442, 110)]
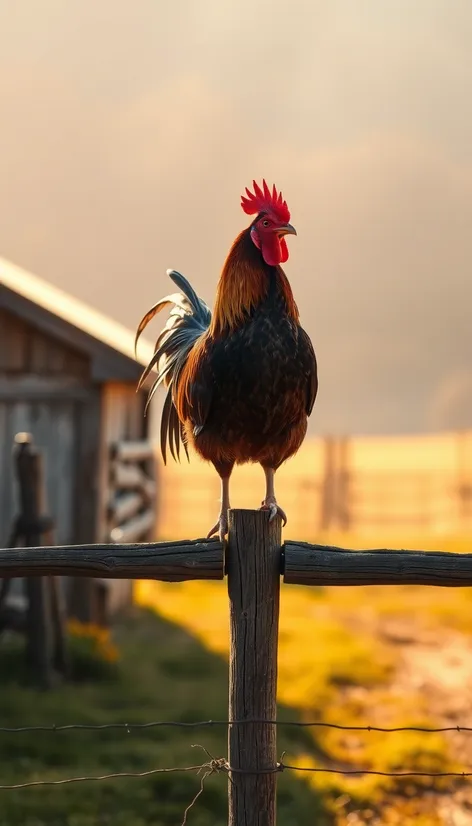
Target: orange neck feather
[(243, 284)]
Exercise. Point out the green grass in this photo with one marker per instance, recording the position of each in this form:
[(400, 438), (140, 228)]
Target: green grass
[(335, 664), (163, 674)]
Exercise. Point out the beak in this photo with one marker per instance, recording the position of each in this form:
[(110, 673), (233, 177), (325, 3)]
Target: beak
[(286, 229)]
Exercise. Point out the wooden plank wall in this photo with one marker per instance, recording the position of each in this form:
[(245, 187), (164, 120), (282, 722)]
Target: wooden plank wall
[(28, 356), (46, 389), (24, 349), (53, 427), (43, 384)]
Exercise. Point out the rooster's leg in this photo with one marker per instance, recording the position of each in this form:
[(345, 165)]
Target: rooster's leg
[(269, 503), (221, 527)]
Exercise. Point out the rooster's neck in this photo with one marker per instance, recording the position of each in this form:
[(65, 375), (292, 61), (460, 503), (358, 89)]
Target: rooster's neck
[(244, 284)]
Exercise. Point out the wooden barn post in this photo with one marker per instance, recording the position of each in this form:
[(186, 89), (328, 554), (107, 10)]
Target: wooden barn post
[(253, 567), (39, 636)]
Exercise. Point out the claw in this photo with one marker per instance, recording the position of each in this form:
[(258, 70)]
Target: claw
[(274, 509), (221, 527)]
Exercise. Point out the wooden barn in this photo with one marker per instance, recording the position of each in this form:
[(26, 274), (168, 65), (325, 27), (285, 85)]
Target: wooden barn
[(68, 377)]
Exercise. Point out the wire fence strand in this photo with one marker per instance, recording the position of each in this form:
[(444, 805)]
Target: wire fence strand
[(129, 727), (113, 776), (220, 765)]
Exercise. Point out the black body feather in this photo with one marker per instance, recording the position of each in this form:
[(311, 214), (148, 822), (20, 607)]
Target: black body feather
[(189, 318), (254, 388)]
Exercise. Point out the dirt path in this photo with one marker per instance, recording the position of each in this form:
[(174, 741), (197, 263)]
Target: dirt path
[(439, 665)]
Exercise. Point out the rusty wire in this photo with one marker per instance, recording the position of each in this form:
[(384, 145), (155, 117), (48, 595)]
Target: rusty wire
[(215, 766), (129, 727)]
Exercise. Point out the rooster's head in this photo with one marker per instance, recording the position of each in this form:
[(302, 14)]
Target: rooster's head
[(271, 223)]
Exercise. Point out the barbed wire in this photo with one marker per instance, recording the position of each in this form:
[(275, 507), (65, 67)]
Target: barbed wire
[(219, 765), (348, 772), (129, 727), (112, 776)]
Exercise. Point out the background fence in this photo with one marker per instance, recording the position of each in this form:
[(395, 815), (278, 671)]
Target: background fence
[(392, 485)]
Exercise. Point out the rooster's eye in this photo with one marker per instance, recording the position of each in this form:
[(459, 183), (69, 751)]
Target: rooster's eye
[(265, 223)]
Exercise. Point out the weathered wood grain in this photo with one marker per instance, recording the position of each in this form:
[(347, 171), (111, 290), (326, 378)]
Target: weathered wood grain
[(253, 586), (167, 561), (306, 564)]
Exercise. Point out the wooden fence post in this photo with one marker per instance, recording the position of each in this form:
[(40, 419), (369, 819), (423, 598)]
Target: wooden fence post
[(253, 567), (39, 634), (344, 486), (328, 489)]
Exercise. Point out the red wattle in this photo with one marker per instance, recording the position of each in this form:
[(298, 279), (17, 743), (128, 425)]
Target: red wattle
[(283, 251), (271, 250)]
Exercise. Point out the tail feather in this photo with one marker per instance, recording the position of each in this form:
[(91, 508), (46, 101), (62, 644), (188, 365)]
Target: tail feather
[(166, 410), (174, 434), (174, 298), (188, 319)]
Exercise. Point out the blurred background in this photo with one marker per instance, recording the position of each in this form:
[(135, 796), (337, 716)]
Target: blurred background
[(128, 132)]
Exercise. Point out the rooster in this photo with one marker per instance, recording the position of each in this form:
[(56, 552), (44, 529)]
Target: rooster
[(242, 380)]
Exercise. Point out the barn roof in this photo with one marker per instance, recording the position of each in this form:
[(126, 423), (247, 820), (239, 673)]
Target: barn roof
[(109, 343)]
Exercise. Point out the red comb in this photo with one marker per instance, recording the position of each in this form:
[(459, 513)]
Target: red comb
[(263, 200)]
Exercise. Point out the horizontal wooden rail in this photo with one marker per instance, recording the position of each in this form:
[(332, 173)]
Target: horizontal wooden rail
[(167, 561), (131, 477), (132, 451), (306, 564), (301, 563)]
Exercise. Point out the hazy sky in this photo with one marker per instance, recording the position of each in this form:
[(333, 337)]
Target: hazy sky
[(130, 127)]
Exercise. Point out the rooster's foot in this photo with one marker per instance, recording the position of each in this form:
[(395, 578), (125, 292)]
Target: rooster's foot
[(270, 504), (221, 527)]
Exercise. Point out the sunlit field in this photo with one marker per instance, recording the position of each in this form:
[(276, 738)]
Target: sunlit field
[(390, 656), (381, 656)]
